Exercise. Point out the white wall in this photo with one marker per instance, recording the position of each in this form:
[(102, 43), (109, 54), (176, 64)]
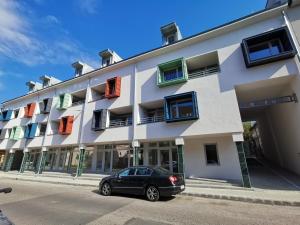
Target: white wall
[(195, 159)]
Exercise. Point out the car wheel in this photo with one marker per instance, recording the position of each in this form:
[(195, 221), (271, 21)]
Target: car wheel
[(106, 189), (152, 193)]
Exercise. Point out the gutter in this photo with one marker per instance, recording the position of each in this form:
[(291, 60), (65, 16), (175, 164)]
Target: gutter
[(137, 57)]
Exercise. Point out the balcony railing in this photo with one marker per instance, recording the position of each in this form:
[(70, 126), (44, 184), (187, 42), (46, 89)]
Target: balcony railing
[(204, 72), (120, 123), (152, 119), (78, 102)]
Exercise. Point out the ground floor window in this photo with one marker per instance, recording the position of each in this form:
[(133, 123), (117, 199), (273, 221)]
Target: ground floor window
[(32, 160), (211, 153)]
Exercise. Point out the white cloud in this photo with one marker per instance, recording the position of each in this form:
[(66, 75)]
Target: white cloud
[(89, 6), (52, 19), (22, 38)]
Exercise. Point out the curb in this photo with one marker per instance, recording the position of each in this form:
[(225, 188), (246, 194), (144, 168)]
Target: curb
[(244, 199), (201, 195)]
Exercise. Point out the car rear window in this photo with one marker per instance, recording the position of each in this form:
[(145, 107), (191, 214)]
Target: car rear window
[(162, 171), (143, 171)]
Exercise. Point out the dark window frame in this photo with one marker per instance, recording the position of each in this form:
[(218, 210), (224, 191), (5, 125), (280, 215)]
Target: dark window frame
[(282, 33), (179, 97)]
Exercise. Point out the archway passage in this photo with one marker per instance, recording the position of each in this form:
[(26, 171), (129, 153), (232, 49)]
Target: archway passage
[(269, 110)]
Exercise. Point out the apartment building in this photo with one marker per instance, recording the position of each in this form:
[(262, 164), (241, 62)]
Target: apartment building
[(180, 106)]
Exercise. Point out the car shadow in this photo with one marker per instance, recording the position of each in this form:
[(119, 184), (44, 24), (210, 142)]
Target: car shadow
[(141, 197)]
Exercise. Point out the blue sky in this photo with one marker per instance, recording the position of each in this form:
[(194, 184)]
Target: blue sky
[(39, 37)]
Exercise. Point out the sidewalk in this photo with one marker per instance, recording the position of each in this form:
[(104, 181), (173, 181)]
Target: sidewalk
[(201, 188)]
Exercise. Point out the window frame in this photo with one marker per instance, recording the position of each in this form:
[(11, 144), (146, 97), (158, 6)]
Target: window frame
[(178, 97), (217, 151), (171, 65), (281, 34)]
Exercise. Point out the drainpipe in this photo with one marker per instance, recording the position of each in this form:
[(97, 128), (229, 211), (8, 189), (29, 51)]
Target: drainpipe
[(290, 28)]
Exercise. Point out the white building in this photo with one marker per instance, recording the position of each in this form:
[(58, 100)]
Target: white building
[(180, 106)]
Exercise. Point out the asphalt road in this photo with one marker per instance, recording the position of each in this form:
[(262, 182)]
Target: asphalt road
[(42, 204)]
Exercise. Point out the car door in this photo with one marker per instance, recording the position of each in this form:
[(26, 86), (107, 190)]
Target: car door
[(141, 178), (123, 182)]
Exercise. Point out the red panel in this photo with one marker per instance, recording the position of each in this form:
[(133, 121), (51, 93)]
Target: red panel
[(70, 121), (117, 88), (29, 109), (61, 126)]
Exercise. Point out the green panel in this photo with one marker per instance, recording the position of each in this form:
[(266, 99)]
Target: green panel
[(135, 156), (42, 161), (80, 162), (12, 133), (67, 102), (57, 101), (24, 161), (243, 165), (168, 66), (9, 161), (18, 133)]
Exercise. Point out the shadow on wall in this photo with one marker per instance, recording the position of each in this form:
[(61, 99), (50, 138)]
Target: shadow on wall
[(234, 71)]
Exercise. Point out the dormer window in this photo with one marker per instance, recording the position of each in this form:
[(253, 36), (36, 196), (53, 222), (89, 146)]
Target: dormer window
[(78, 71), (46, 83), (171, 39)]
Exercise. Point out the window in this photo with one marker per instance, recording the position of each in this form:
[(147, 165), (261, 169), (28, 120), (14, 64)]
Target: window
[(45, 105), (181, 107), (16, 113), (64, 101), (152, 157), (29, 110), (171, 39), (211, 154), (172, 72), (113, 87), (268, 47), (143, 171), (30, 131), (66, 125), (43, 127), (99, 120), (6, 115), (127, 172)]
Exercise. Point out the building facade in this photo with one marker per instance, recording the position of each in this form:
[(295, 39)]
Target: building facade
[(180, 106)]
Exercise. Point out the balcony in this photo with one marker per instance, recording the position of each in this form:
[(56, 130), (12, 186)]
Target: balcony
[(203, 65), (120, 117), (151, 112), (78, 98), (97, 93)]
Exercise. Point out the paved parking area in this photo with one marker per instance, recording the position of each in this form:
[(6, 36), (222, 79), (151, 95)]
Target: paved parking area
[(40, 203)]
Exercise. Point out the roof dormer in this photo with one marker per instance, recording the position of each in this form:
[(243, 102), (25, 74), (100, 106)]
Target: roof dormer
[(48, 80), (170, 33), (81, 68), (33, 86), (109, 57), (274, 3)]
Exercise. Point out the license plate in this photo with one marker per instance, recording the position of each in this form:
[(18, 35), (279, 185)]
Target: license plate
[(182, 187)]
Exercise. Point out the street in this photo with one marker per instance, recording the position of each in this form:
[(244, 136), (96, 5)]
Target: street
[(36, 203)]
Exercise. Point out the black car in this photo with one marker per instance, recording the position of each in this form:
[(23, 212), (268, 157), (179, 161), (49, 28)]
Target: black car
[(152, 182)]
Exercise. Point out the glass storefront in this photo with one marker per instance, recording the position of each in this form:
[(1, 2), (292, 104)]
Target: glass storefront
[(2, 158), (32, 160)]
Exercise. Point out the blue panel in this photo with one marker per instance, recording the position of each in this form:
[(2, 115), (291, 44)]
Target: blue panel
[(27, 131), (1, 117), (8, 115), (191, 94), (33, 130)]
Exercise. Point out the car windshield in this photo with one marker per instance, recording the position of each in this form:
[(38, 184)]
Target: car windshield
[(162, 171)]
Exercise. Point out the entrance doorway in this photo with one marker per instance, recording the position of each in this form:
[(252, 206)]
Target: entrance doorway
[(17, 161), (33, 159)]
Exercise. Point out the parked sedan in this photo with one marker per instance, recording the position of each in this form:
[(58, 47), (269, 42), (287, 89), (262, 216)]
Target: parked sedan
[(152, 182)]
